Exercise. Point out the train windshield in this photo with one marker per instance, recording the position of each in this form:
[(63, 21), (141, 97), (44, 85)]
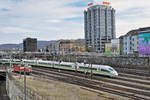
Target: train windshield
[(111, 69)]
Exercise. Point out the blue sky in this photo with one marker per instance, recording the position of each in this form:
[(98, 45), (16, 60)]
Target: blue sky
[(63, 19)]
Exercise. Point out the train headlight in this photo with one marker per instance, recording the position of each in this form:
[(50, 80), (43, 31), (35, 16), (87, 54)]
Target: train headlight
[(115, 73)]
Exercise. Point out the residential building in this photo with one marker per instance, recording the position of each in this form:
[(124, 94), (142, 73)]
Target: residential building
[(66, 47), (30, 45), (132, 42), (54, 48), (99, 26), (70, 46)]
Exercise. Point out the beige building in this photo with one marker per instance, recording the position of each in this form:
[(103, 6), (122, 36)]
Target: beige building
[(70, 46), (67, 46)]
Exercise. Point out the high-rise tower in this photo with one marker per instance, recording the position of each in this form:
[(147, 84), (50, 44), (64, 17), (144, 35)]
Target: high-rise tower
[(99, 24)]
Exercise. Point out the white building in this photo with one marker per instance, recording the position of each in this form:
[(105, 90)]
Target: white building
[(130, 44)]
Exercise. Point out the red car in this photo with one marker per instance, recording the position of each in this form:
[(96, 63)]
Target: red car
[(21, 68)]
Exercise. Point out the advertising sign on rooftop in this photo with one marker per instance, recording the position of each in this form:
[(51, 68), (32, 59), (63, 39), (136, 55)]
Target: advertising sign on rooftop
[(90, 4), (106, 3), (144, 43)]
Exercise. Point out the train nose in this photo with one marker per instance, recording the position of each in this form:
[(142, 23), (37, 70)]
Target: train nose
[(116, 73)]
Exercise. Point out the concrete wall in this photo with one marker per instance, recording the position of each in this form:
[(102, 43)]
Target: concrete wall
[(14, 89)]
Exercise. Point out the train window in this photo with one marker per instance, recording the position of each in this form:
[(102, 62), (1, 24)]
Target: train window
[(111, 69), (99, 69), (93, 68), (104, 70)]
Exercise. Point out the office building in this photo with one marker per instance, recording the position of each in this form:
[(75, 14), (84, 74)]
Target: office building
[(99, 26), (30, 45)]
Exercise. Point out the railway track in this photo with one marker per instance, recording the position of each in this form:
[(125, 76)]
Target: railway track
[(134, 76), (143, 80), (130, 89), (133, 71)]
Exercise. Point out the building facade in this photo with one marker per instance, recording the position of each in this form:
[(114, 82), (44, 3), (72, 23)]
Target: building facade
[(30, 45), (144, 43), (99, 26), (66, 46), (132, 42), (112, 48), (70, 46), (129, 43)]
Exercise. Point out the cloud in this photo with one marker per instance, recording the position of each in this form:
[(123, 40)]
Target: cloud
[(16, 30), (131, 14), (46, 17), (56, 19), (4, 9)]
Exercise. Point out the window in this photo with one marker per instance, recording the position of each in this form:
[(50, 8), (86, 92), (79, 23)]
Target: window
[(111, 69), (104, 70)]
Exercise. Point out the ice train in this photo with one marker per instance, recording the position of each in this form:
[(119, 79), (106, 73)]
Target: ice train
[(80, 67)]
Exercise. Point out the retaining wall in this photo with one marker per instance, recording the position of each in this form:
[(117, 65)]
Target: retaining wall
[(14, 89)]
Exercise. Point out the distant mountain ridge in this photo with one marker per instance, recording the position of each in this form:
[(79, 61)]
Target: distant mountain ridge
[(40, 44), (10, 46)]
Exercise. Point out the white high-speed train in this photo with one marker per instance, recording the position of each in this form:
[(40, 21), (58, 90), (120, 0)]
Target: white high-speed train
[(96, 69)]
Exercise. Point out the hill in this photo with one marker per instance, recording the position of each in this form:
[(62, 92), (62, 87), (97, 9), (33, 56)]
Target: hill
[(20, 46)]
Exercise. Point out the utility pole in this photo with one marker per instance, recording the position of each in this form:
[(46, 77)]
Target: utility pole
[(91, 71), (10, 62), (54, 60), (76, 64), (20, 64), (85, 67), (24, 82)]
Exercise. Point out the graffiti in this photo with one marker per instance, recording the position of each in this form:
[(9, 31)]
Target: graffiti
[(144, 43), (146, 40)]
